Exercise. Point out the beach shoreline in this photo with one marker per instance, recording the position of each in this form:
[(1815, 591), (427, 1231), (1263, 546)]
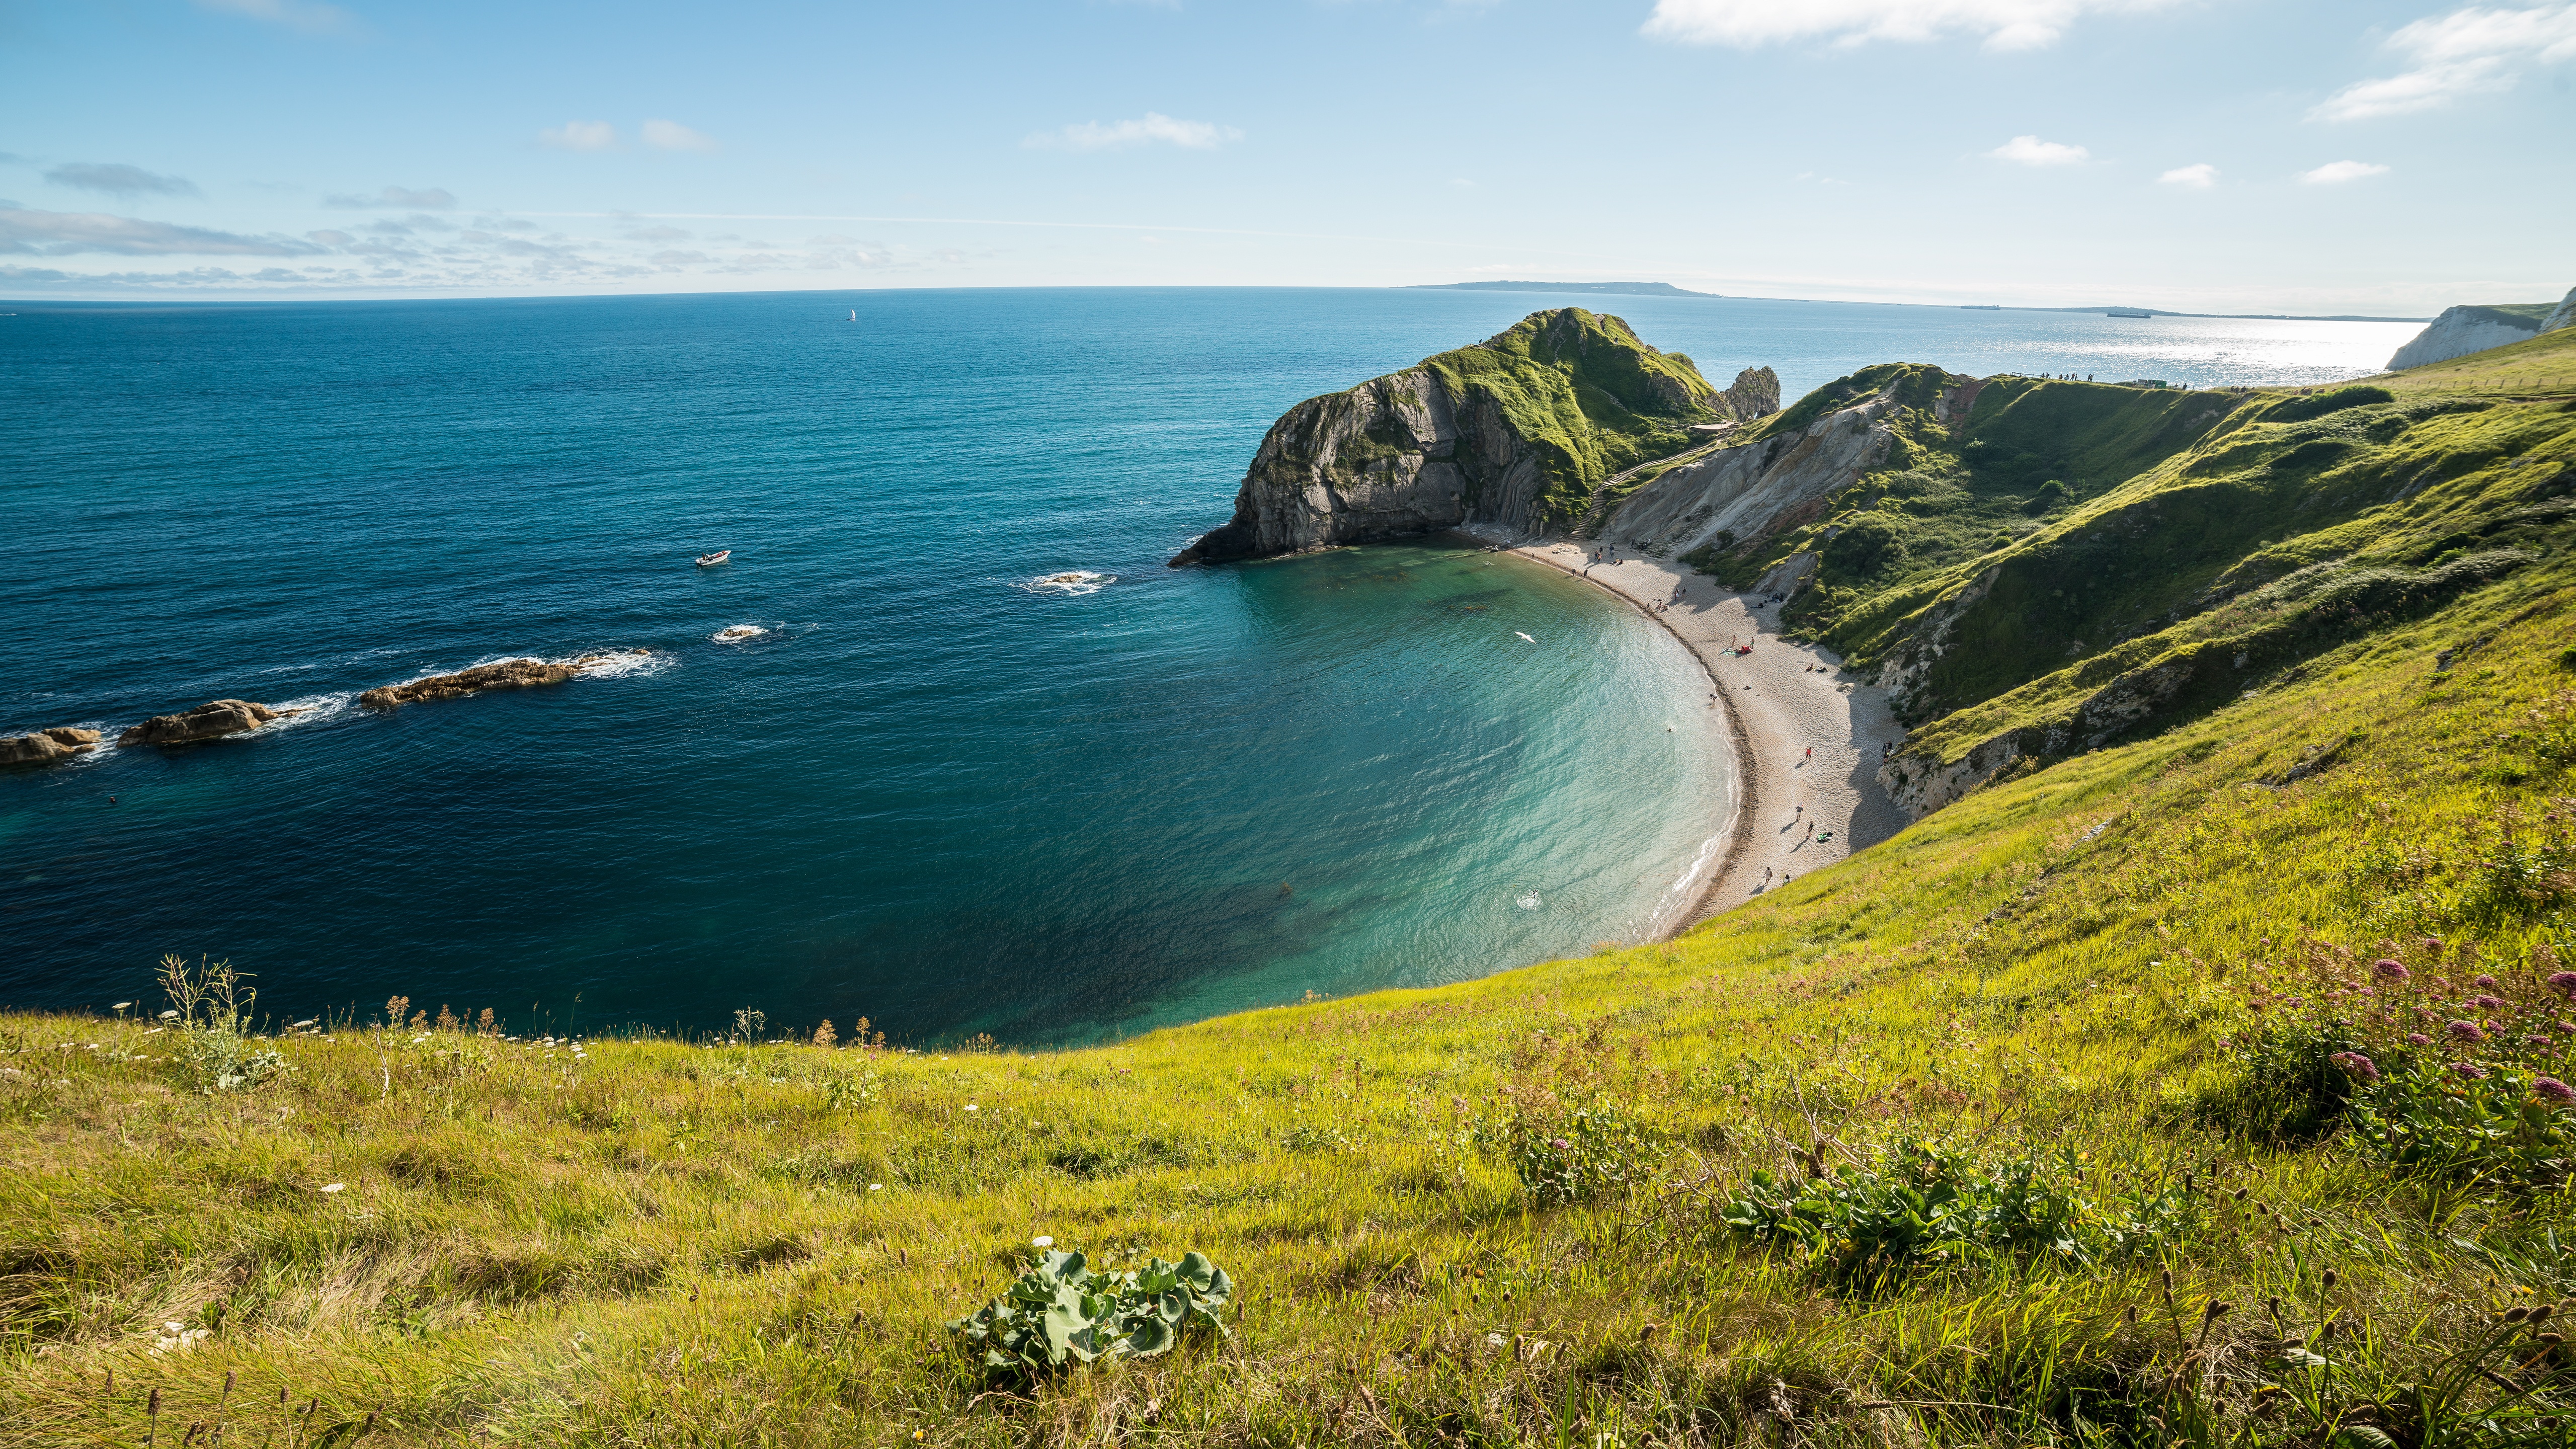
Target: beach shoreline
[(1807, 739)]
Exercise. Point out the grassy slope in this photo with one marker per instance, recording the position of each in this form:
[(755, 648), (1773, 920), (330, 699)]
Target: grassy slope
[(673, 1244), (1586, 391)]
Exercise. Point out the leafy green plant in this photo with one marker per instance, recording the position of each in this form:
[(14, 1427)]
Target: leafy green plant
[(210, 1008), (2493, 1129), (1061, 1313), (1926, 1205), (1565, 1152)]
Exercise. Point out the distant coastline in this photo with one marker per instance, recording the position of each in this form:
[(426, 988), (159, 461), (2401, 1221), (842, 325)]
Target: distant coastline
[(1667, 289)]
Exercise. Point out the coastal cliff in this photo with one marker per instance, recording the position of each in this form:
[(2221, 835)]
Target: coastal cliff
[(1519, 430), (2460, 331), (2035, 569)]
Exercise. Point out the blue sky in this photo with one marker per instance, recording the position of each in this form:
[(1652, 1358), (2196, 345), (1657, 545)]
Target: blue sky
[(2380, 156)]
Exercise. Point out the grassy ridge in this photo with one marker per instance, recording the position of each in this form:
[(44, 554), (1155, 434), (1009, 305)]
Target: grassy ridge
[(1586, 392)]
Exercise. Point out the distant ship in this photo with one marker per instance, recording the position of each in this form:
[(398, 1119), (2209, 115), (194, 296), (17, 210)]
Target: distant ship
[(854, 314), (2126, 312), (1981, 306)]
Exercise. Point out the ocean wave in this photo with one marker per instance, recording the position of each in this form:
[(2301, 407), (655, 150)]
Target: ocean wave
[(739, 633), (309, 709), (1072, 583), (620, 663)]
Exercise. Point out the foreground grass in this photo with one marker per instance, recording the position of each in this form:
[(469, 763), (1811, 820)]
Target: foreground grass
[(650, 1242)]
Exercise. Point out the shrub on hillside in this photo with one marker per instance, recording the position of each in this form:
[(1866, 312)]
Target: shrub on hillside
[(2317, 405), (2438, 1062), (1926, 1205)]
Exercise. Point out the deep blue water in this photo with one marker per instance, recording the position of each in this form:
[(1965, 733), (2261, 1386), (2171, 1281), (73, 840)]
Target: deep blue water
[(928, 792)]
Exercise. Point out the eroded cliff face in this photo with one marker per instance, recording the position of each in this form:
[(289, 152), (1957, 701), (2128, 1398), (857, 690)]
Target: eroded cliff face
[(2460, 331), (1518, 430), (1742, 494)]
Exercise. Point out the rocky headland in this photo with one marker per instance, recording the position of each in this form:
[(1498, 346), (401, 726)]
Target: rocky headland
[(507, 674), (211, 720), (1520, 430)]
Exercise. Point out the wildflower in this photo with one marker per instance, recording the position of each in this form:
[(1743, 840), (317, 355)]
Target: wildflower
[(1042, 1241), (2488, 982), (2389, 970), (2536, 1039), (2465, 1031), (2470, 1070), (334, 1186), (2564, 982), (2362, 1068), (2417, 1038), (2550, 1089), (1560, 1144), (2486, 1003), (971, 1107), (876, 1187)]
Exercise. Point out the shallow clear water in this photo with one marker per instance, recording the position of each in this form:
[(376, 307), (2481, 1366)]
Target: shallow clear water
[(929, 791)]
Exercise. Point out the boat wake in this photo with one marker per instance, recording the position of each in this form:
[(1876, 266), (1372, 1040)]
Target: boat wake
[(1073, 583)]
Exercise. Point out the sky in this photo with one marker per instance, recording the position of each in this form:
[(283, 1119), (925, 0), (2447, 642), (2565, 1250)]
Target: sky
[(2385, 157)]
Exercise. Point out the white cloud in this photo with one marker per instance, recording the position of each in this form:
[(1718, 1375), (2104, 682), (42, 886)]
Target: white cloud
[(119, 179), (2004, 24), (2335, 173), (2032, 151), (313, 19), (1151, 128), (581, 136), (2201, 175), (2467, 52), (435, 198), (71, 233), (672, 136)]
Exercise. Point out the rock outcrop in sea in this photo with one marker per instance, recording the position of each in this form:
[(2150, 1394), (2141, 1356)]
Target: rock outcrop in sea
[(211, 720), (2460, 331), (507, 674), (1519, 430), (47, 746)]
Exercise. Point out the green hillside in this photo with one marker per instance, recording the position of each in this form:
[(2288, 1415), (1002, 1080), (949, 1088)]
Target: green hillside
[(1585, 392), (2206, 1087)]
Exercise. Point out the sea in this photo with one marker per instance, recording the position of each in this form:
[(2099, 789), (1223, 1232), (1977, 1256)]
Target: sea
[(944, 744)]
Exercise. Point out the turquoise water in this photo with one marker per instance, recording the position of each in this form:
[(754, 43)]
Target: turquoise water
[(930, 791)]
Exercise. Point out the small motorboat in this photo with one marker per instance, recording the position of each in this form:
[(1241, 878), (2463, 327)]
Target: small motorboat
[(708, 560)]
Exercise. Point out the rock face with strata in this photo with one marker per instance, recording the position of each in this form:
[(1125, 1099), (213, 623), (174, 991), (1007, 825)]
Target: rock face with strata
[(2561, 316), (507, 674), (47, 746), (211, 720), (1517, 430), (2460, 331), (1742, 494)]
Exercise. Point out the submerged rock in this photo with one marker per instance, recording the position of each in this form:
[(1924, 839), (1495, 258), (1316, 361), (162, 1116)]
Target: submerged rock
[(508, 674), (207, 721), (46, 747), (1522, 429)]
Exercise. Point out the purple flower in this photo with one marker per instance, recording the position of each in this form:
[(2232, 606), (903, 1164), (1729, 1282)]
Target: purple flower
[(2536, 1039), (2466, 1031), (2470, 1070), (2486, 1003), (2565, 983), (1560, 1144), (2488, 982), (2550, 1089), (2361, 1068), (2389, 969), (2417, 1038)]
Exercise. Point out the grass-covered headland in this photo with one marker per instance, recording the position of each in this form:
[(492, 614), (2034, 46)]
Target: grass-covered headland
[(2204, 1088)]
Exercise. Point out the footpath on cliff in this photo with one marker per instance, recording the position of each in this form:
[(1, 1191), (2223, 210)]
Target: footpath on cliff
[(1797, 812)]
